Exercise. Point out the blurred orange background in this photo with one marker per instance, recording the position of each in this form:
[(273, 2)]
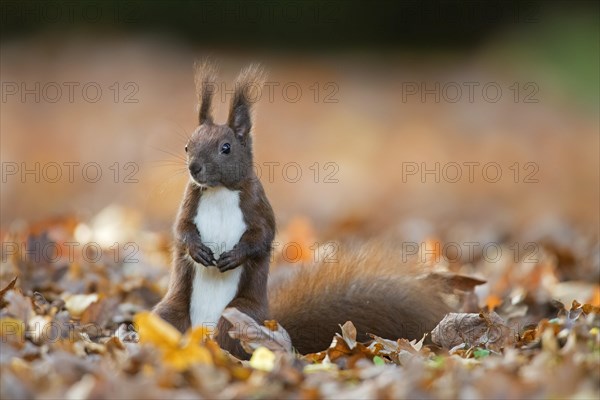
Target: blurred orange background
[(355, 132)]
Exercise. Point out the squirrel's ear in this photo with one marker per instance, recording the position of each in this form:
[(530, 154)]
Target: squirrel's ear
[(247, 90), (205, 78)]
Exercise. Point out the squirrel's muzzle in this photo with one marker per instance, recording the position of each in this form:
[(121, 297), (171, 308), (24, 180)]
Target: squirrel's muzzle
[(195, 168)]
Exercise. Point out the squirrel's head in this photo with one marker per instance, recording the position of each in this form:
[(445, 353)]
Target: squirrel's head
[(221, 155)]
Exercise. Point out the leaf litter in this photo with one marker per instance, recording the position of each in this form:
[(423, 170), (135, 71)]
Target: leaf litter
[(75, 328)]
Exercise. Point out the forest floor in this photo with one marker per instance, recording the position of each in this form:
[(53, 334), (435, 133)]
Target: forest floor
[(75, 324)]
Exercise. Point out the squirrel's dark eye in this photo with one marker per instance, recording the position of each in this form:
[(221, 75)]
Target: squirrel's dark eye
[(226, 148), (186, 148)]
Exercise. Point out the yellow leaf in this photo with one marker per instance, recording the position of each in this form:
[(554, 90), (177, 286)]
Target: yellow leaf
[(20, 366), (154, 330), (263, 359), (198, 334), (328, 367), (182, 358), (240, 373), (12, 330), (179, 352)]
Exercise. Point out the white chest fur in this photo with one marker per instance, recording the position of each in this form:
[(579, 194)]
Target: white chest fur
[(221, 224)]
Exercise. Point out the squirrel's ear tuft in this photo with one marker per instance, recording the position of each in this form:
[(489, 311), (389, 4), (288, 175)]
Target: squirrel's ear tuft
[(248, 87), (205, 78)]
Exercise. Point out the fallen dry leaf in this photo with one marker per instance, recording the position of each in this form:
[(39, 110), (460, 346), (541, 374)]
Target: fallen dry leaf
[(263, 359), (179, 352), (252, 335), (8, 287), (76, 304), (471, 329)]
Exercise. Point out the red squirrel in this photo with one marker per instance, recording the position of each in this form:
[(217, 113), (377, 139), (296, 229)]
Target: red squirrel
[(223, 236)]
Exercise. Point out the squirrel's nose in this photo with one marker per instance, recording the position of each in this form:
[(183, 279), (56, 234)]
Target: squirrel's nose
[(195, 168)]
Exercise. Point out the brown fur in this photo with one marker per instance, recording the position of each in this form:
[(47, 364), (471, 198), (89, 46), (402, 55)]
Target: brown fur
[(205, 78), (371, 287), (175, 306)]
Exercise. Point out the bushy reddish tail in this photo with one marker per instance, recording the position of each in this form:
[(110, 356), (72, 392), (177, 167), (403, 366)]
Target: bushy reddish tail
[(371, 287)]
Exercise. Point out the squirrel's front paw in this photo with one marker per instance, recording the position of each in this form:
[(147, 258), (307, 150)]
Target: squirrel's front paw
[(231, 259), (202, 254)]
